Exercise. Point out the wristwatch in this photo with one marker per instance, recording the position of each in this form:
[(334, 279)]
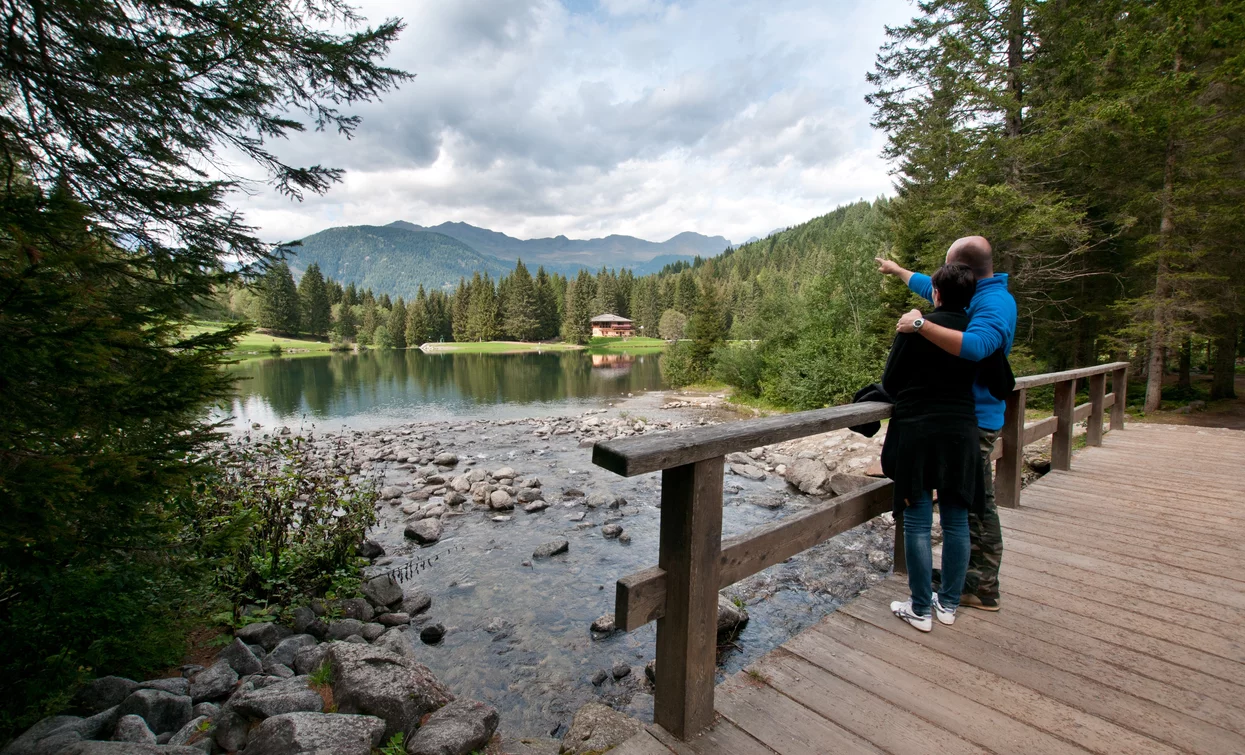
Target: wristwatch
[(917, 323)]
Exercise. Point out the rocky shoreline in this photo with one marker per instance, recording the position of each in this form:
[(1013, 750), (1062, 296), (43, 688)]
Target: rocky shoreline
[(492, 567)]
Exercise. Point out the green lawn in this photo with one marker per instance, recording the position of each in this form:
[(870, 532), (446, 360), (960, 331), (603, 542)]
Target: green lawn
[(257, 344), (496, 347), (640, 345)]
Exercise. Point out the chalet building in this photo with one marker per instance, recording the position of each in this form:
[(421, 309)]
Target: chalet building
[(611, 326)]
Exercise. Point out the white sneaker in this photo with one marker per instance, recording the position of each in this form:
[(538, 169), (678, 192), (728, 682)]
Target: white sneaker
[(943, 615), (903, 609)]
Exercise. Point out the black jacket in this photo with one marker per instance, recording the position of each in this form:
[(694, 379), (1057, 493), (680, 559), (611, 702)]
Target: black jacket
[(932, 440)]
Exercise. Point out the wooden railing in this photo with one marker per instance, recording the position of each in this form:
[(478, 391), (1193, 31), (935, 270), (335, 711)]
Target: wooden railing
[(694, 563)]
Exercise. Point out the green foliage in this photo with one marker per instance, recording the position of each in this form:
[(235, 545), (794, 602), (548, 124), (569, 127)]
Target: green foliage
[(580, 294), (395, 746), (281, 527), (314, 307), (382, 338), (322, 675), (819, 369), (673, 325), (741, 366), (280, 308), (680, 368)]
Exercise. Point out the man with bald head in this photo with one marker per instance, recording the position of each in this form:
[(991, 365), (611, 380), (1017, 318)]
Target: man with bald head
[(991, 327)]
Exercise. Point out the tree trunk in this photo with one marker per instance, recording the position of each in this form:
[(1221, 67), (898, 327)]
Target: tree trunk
[(1186, 363), (1162, 283), (1223, 384)]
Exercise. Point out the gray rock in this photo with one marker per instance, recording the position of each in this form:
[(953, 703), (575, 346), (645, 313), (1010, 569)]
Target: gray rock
[(460, 484), (279, 670), (287, 649), (599, 678), (879, 560), (303, 618), (132, 728), (126, 748), (357, 608), (163, 711), (378, 682), (208, 710), (382, 591), (390, 492), (572, 493), (604, 501), (189, 669), (395, 619), (103, 693), (357, 639), (611, 531), (399, 640), (731, 618), (47, 735), (309, 659), (650, 671), (231, 730), (460, 728), (455, 498), (535, 507), (316, 734), (370, 549), (266, 634), (620, 670), (552, 548), (500, 500), (528, 495), (432, 634), (371, 631), (343, 628), (198, 729), (749, 471), (318, 629), (175, 685), (445, 460), (286, 696), (424, 531), (416, 602), (843, 484), (504, 473), (809, 475), (625, 538), (604, 624), (213, 683), (597, 728)]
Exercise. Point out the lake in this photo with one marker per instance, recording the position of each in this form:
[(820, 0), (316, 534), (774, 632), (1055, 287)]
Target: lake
[(375, 388)]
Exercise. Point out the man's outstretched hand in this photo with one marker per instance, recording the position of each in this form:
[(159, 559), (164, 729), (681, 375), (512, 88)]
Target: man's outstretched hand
[(905, 323), (887, 267)]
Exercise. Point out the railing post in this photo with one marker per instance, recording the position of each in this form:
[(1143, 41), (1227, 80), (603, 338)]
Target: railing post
[(900, 561), (1097, 392), (1008, 473), (1061, 443), (1119, 386), (690, 552)]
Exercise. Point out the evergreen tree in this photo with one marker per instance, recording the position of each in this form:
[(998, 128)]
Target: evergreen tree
[(370, 322), (345, 325), (579, 300), (385, 302), (351, 295), (706, 328), (482, 312), (418, 323), (546, 306), (279, 312), (314, 305), (520, 313), (397, 324), (459, 304)]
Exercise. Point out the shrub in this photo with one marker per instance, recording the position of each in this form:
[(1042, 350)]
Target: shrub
[(740, 366), (679, 367), (672, 325), (819, 370)]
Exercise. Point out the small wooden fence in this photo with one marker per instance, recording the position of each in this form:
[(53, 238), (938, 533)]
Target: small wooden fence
[(694, 563)]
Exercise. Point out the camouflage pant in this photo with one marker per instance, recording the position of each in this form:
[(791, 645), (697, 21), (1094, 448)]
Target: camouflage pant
[(985, 533)]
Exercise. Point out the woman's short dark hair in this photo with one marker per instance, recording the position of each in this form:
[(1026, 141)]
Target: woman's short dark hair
[(956, 285)]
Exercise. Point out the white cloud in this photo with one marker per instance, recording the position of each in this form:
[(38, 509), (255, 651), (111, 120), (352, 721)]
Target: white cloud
[(637, 117)]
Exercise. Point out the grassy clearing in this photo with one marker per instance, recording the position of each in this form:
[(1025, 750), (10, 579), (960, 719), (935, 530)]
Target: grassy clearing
[(639, 345), (256, 344), (496, 347)]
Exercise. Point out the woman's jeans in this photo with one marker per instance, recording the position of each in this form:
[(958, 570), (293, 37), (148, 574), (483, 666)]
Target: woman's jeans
[(917, 521)]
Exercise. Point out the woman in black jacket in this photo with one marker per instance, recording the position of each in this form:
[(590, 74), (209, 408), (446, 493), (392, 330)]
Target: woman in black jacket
[(931, 444)]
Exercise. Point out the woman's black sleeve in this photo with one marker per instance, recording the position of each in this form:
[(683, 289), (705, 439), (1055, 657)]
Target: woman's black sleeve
[(898, 370)]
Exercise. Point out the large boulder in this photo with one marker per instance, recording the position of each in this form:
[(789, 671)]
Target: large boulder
[(400, 640), (460, 728), (843, 484), (198, 731), (285, 651), (343, 628), (126, 748), (240, 658), (132, 728), (552, 548), (230, 730), (265, 633), (731, 618), (286, 696), (177, 685), (163, 711), (103, 693), (213, 683), (425, 531), (382, 591), (378, 682), (309, 659), (809, 475), (315, 733), (597, 728), (415, 602)]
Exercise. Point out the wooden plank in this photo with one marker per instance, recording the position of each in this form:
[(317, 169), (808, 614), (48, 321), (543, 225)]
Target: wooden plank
[(1061, 442), (782, 724), (1008, 471), (1125, 497), (641, 744), (888, 726), (1119, 390), (650, 453), (1108, 401), (1097, 395), (910, 652), (1080, 412), (945, 707), (641, 597), (1150, 719), (1040, 429), (1060, 503), (721, 738), (690, 543), (1033, 381)]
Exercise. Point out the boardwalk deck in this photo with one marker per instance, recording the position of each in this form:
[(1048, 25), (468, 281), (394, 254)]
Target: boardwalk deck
[(1122, 630)]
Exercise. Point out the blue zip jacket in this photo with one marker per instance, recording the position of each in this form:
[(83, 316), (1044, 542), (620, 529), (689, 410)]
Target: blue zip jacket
[(992, 323)]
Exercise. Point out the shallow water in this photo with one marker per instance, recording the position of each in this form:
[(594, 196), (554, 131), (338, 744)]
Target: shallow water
[(377, 388)]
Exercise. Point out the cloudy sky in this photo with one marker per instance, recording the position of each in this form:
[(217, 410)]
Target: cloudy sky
[(591, 117)]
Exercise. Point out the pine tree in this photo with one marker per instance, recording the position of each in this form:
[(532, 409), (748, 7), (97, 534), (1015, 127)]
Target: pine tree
[(546, 306), (314, 306), (579, 299), (279, 312), (397, 324), (520, 313), (345, 325), (706, 328), (351, 295), (418, 327), (370, 322), (482, 313), (459, 304)]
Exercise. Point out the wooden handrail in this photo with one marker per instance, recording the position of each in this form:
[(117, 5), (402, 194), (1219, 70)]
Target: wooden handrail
[(694, 563)]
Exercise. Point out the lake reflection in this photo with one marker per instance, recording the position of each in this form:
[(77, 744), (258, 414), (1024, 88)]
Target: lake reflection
[(374, 388)]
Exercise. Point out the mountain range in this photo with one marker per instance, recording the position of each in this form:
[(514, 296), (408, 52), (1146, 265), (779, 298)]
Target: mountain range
[(399, 257)]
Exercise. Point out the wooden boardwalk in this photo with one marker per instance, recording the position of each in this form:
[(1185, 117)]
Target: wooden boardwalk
[(1122, 630)]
